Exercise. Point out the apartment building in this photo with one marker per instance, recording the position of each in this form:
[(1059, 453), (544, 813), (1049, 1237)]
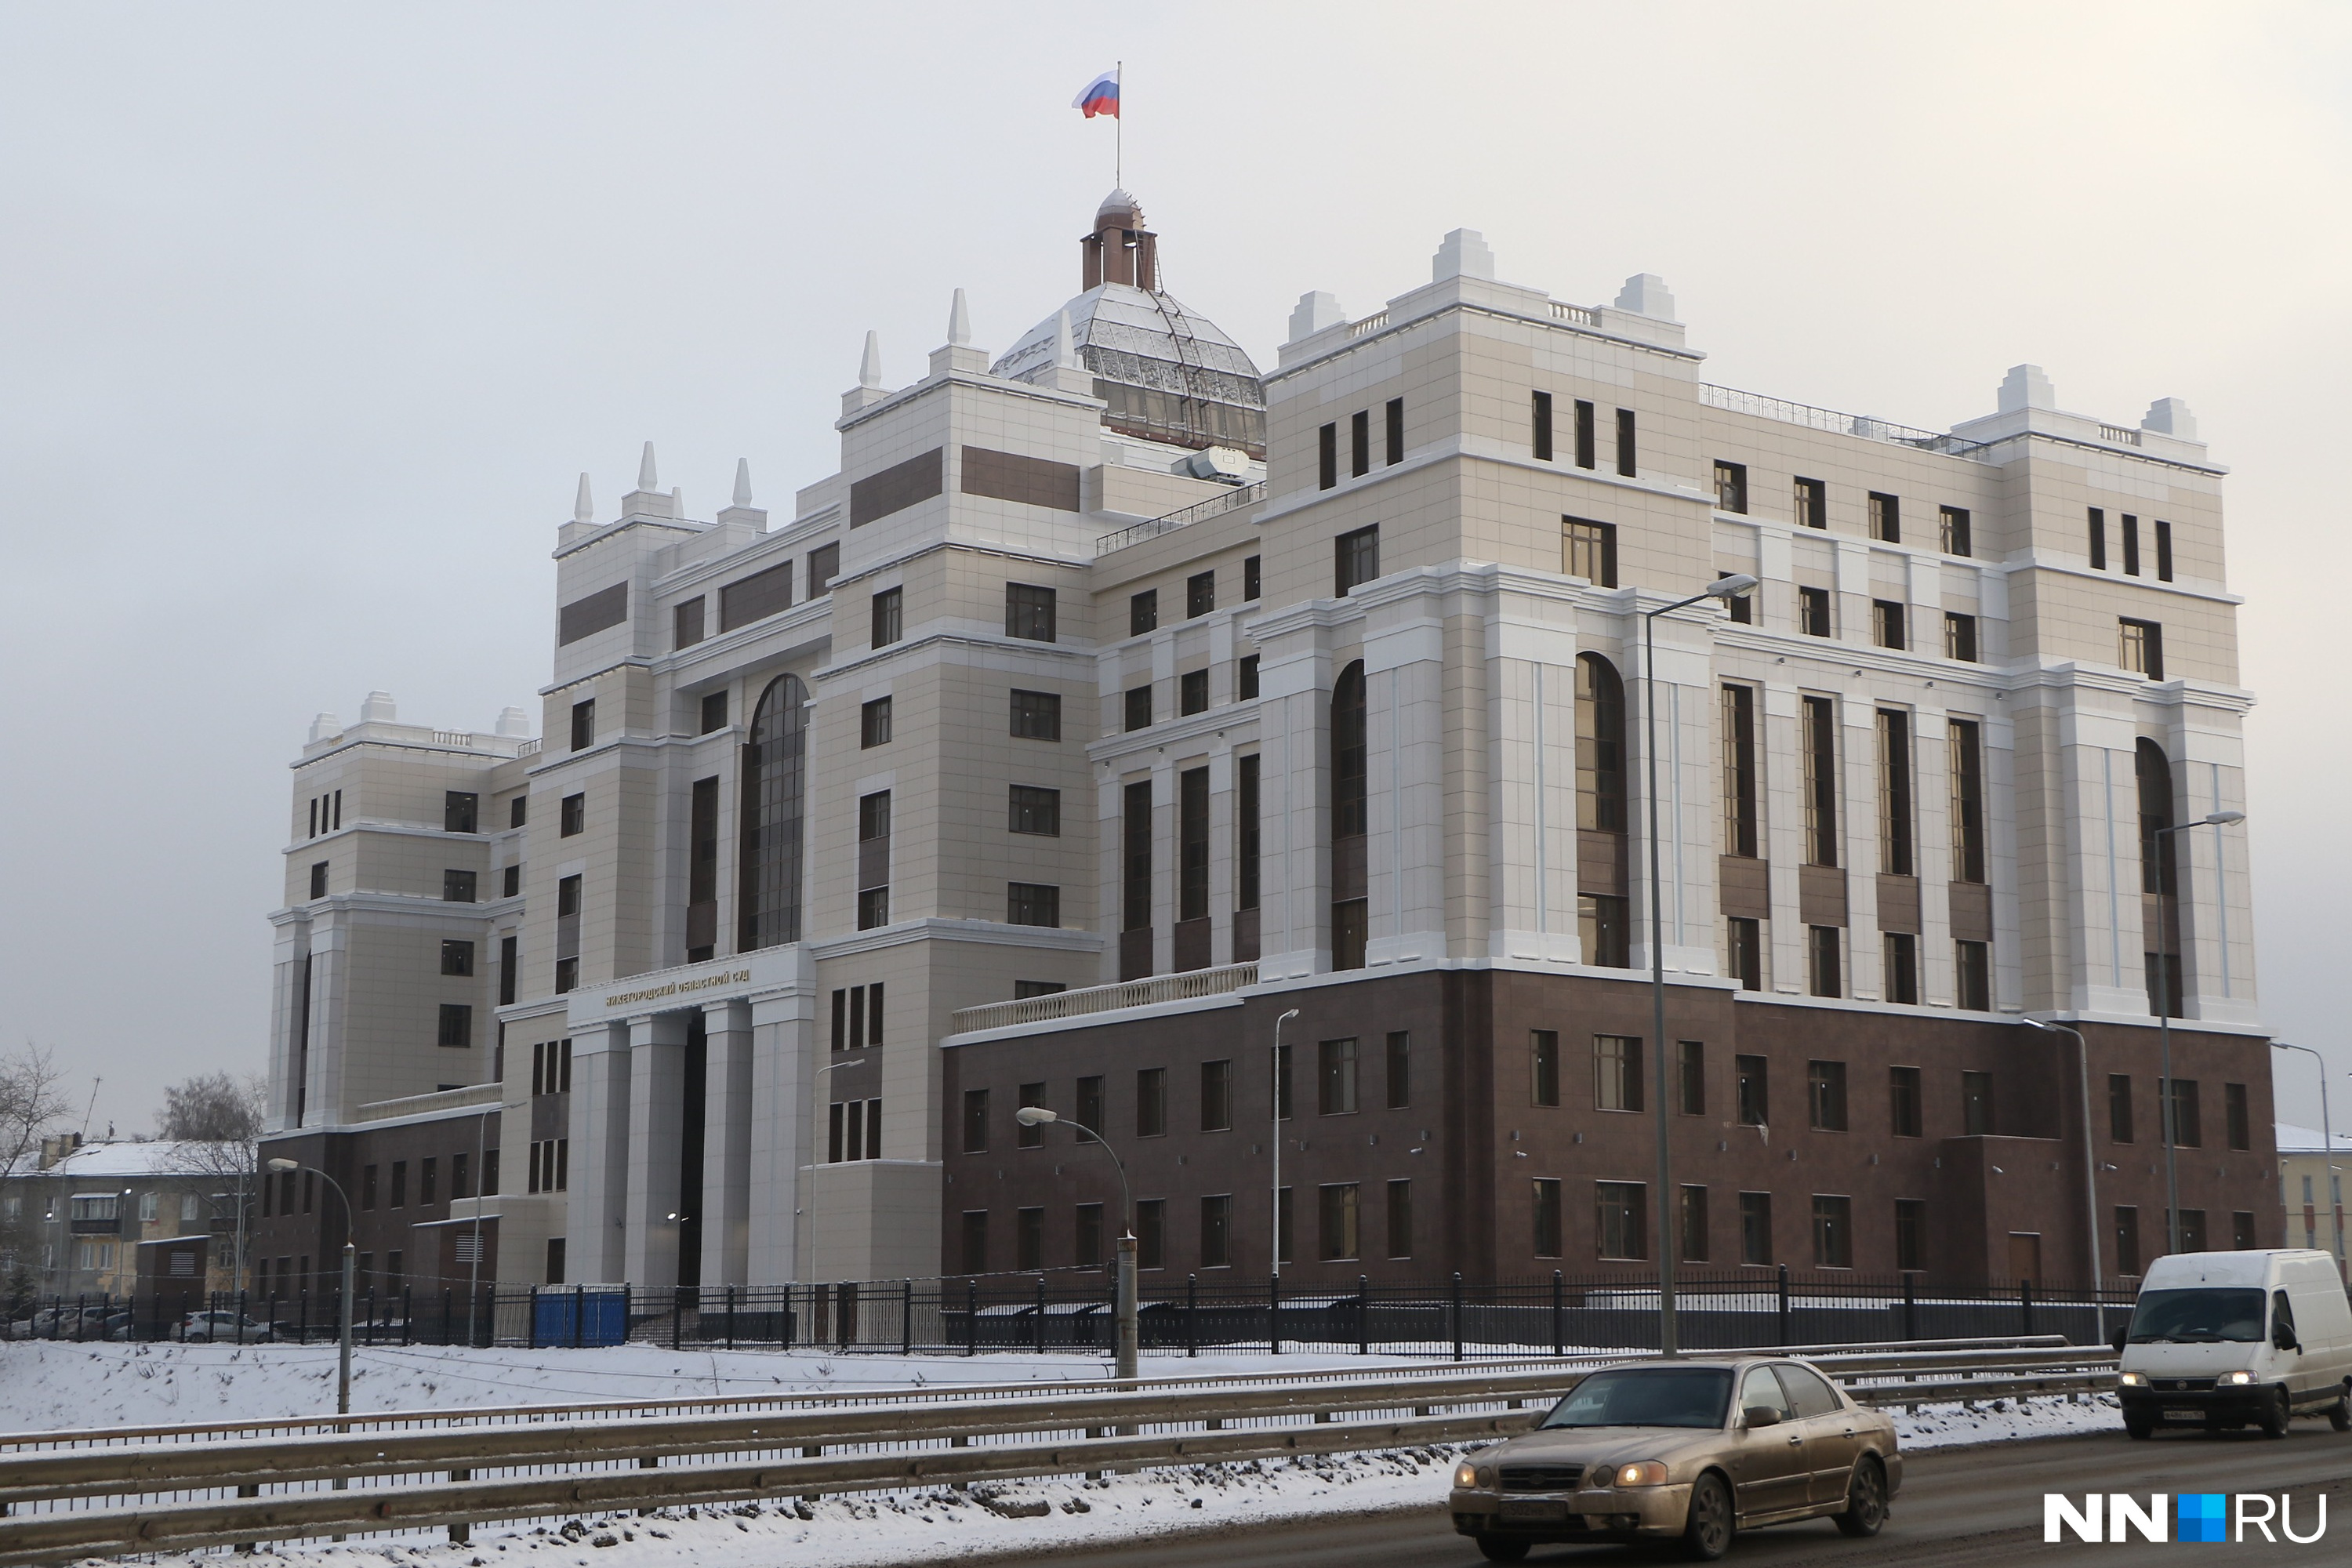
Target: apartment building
[(1117, 702)]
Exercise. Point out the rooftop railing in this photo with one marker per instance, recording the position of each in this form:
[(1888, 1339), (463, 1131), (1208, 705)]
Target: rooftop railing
[(1181, 987), (1733, 400), (1183, 516)]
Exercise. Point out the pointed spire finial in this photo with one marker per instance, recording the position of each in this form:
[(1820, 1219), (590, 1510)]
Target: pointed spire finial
[(742, 481), (959, 322), (646, 479), (1065, 353), (869, 369), (584, 509)]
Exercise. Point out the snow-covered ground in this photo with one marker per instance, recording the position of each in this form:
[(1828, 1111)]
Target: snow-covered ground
[(49, 1386)]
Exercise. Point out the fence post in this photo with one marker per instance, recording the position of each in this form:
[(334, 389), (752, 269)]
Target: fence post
[(972, 1317), (1457, 1314), (677, 1315), (408, 1314), (302, 1316), (906, 1317), (580, 1312), (1273, 1314), (1781, 1280), (1191, 1314), (2025, 1303), (1910, 1306), (241, 1305), (1363, 1315), (1558, 1334)]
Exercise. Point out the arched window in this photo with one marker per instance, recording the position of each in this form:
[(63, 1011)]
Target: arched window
[(1350, 915), (2155, 772), (1599, 746), (774, 774)]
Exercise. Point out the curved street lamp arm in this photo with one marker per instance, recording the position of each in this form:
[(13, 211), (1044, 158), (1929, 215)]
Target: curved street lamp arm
[(1127, 1194)]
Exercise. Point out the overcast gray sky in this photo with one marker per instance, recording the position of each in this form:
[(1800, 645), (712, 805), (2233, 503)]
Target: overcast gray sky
[(310, 316)]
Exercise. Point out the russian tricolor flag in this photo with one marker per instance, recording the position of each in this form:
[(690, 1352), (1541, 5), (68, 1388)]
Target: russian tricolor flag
[(1101, 96)]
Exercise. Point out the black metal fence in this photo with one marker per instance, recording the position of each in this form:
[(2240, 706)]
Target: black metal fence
[(1072, 1312)]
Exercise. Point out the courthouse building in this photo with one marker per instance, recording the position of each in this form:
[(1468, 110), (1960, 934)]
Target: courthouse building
[(1118, 697)]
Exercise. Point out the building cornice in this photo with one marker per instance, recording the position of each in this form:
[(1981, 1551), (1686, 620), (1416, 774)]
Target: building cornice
[(1211, 723), (1388, 330), (1022, 647), (613, 529), (977, 380)]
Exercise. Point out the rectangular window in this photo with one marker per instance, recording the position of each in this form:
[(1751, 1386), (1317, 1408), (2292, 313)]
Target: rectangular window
[(975, 1241), (1030, 612), (1589, 550), (2233, 1108), (1813, 612), (874, 723), (1886, 517), (1820, 715), (1335, 1078), (1193, 845), (1337, 1207), (2119, 1107), (518, 811), (756, 597), (1151, 1232), (1216, 1096), (1605, 929), (399, 1185), (2098, 535), (1135, 831), (1587, 454), (1910, 1235), (319, 881), (1251, 578), (1888, 624), (1036, 715), (1395, 435), (1245, 678), (2163, 551), (2192, 1230), (1975, 1104), (889, 617), (1903, 1101), (2131, 545), (1832, 1232), (1756, 1228), (2127, 1240), (1973, 960), (511, 884), (1356, 559), (1200, 594), (1752, 1082), (1399, 1218), (1399, 1069), (1959, 636), (1033, 904), (572, 815), (1543, 1062), (427, 1189), (584, 724), (1825, 1096), (456, 957), (1620, 1227), (975, 1121), (1968, 803), (1327, 457), (1087, 1226), (1745, 940), (1625, 443), (1217, 1232), (2187, 1127), (1138, 714), (1547, 1217), (1360, 443), (1895, 817), (1151, 1103), (1028, 1239), (874, 861), (1037, 810), (1692, 1225), (458, 811), (714, 713), (1812, 504), (1954, 525), (1245, 831), (1823, 964), (1192, 691), (1024, 1136), (2140, 647), (457, 886), (1901, 957), (1616, 1072), (1731, 487), (824, 566), (1742, 610), (1740, 814), (1541, 410), (1143, 612), (507, 968), (1090, 1101)]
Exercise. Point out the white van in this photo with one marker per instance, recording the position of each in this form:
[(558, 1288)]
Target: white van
[(2225, 1339)]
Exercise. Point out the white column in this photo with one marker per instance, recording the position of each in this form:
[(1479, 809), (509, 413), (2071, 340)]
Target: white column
[(2216, 917), (330, 1076), (1295, 791), (656, 1105), (1931, 808), (783, 1043), (1404, 788), (1858, 758), (600, 1148), (1688, 791), (1781, 761), (1531, 840), (726, 1196), (2100, 786)]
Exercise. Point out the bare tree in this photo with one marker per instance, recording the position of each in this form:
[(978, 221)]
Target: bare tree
[(215, 1120), (212, 1108), (32, 1101)]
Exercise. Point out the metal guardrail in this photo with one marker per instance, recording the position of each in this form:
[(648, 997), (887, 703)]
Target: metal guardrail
[(1168, 522), (1869, 428), (776, 1446)]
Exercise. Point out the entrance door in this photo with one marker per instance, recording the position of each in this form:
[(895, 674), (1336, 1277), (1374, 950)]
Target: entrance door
[(2025, 1256)]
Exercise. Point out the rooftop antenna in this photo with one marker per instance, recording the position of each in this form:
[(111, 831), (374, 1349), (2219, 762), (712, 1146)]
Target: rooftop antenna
[(88, 1110)]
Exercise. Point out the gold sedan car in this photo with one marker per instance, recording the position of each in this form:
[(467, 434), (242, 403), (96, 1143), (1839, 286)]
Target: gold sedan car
[(1688, 1450)]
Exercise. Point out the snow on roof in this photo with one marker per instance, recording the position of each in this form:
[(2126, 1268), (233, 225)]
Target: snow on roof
[(2294, 1140), (152, 1157)]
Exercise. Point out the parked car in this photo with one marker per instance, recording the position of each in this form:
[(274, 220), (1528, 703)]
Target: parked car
[(2221, 1341), (1693, 1451), (204, 1328), (60, 1323)]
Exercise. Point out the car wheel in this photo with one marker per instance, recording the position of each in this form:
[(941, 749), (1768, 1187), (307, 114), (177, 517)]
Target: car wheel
[(1865, 1500), (2139, 1429), (1501, 1548), (1707, 1535), (2275, 1415), (2339, 1415)]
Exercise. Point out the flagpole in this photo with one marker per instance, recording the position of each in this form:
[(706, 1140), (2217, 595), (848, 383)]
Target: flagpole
[(1118, 138)]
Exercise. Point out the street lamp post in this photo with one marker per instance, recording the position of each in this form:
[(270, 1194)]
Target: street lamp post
[(1274, 1122), (2090, 1165), (1737, 585), (2164, 1002), (1125, 1333), (350, 1257), (2326, 1144)]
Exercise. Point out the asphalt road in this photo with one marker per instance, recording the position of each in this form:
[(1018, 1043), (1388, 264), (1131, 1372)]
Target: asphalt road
[(1957, 1507)]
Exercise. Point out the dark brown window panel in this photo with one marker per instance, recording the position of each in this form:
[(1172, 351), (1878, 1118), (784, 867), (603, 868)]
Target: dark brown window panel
[(756, 597), (1009, 476), (586, 617), (897, 487)]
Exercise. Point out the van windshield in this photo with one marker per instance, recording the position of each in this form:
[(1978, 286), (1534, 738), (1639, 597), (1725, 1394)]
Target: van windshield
[(2207, 1315)]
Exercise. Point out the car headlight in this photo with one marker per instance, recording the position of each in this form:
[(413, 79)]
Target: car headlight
[(2235, 1379), (1646, 1473), (2133, 1380), (1465, 1476)]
